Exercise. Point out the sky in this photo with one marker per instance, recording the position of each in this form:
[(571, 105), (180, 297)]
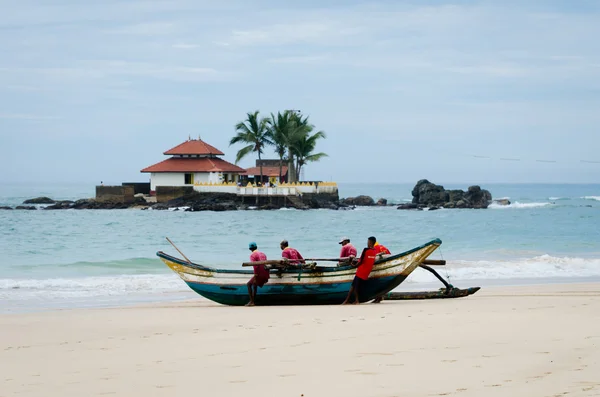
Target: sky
[(461, 91)]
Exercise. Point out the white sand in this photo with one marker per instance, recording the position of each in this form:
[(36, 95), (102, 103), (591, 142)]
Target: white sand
[(522, 341)]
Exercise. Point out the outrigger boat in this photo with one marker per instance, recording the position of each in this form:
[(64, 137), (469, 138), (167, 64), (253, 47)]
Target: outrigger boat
[(307, 285)]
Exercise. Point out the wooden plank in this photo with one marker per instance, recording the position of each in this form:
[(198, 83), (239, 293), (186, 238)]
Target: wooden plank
[(433, 262)]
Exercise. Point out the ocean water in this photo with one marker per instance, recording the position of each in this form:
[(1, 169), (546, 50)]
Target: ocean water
[(89, 258)]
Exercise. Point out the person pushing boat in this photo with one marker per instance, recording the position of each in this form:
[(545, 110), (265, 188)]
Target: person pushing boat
[(291, 254), (381, 250), (261, 273), (365, 265)]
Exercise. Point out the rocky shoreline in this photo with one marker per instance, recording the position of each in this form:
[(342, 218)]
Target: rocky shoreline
[(426, 195)]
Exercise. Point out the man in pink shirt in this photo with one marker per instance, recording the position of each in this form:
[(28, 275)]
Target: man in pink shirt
[(261, 273), (291, 254), (347, 251)]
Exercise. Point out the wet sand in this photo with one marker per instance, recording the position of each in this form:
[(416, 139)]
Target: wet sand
[(539, 340)]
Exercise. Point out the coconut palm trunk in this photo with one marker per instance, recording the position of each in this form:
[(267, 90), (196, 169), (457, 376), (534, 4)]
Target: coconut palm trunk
[(261, 169), (291, 168)]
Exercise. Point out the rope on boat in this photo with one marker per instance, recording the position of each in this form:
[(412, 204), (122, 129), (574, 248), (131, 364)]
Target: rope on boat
[(445, 268)]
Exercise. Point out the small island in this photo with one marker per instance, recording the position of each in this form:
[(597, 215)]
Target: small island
[(426, 195)]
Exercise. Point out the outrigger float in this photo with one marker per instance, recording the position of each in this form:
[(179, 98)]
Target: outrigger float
[(311, 284)]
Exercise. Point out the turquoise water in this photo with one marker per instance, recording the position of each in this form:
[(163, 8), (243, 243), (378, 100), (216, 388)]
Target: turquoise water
[(88, 258)]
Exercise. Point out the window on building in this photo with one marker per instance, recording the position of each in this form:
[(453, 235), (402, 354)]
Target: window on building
[(189, 179)]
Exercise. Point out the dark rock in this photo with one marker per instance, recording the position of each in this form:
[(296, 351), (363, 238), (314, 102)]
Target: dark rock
[(408, 206), (502, 201), (60, 205), (427, 194), (160, 206), (382, 202), (477, 197), (455, 195), (25, 207), (5, 208), (39, 200), (364, 201), (433, 208), (268, 207)]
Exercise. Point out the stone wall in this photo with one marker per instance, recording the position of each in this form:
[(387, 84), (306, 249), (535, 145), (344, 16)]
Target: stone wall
[(138, 187), (168, 193), (115, 194)]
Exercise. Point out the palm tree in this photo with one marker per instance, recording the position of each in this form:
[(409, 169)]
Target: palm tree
[(284, 132), (278, 126), (304, 149), (255, 133)]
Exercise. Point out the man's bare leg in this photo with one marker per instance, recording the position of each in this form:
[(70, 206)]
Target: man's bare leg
[(356, 302), (378, 299), (250, 284), (349, 294)]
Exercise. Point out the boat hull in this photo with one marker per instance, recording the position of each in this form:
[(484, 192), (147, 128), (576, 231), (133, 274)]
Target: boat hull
[(319, 286), (302, 294)]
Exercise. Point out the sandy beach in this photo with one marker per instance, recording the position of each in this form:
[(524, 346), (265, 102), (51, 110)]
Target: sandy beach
[(504, 341)]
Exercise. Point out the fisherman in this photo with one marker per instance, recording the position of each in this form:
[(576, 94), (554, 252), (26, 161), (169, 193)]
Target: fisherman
[(291, 254), (381, 250), (261, 273), (365, 265), (348, 251)]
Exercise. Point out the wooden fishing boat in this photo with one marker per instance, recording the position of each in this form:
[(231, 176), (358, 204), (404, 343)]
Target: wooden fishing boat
[(299, 286)]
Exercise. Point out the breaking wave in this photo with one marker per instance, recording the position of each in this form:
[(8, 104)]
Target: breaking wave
[(89, 287), (595, 198), (516, 204), (543, 266)]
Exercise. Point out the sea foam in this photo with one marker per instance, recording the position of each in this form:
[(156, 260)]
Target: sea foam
[(516, 204), (542, 266)]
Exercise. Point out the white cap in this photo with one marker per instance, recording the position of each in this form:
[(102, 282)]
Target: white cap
[(344, 239)]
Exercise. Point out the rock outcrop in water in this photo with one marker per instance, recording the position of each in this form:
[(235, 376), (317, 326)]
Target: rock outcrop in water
[(39, 200), (428, 195), (364, 201)]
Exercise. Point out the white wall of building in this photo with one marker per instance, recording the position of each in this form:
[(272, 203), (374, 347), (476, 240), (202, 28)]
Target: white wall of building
[(178, 178), (216, 189), (166, 179), (201, 177)]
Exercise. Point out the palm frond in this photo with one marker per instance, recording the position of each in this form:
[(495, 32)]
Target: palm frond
[(243, 152), (315, 157)]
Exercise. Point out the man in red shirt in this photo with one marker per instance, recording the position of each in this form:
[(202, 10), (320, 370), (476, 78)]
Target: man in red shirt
[(289, 253), (381, 250), (347, 251), (365, 265), (261, 273)]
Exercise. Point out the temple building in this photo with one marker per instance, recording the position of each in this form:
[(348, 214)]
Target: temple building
[(191, 163)]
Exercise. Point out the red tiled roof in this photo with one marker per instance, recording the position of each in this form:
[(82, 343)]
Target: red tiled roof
[(202, 164), (267, 171), (194, 146)]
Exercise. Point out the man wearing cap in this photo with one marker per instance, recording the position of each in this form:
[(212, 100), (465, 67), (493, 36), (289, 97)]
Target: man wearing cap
[(261, 273), (348, 250), (289, 253)]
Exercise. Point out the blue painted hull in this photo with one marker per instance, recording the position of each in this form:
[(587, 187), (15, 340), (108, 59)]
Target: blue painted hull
[(307, 294)]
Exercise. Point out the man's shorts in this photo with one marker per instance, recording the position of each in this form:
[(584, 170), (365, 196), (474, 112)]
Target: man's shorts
[(357, 282)]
